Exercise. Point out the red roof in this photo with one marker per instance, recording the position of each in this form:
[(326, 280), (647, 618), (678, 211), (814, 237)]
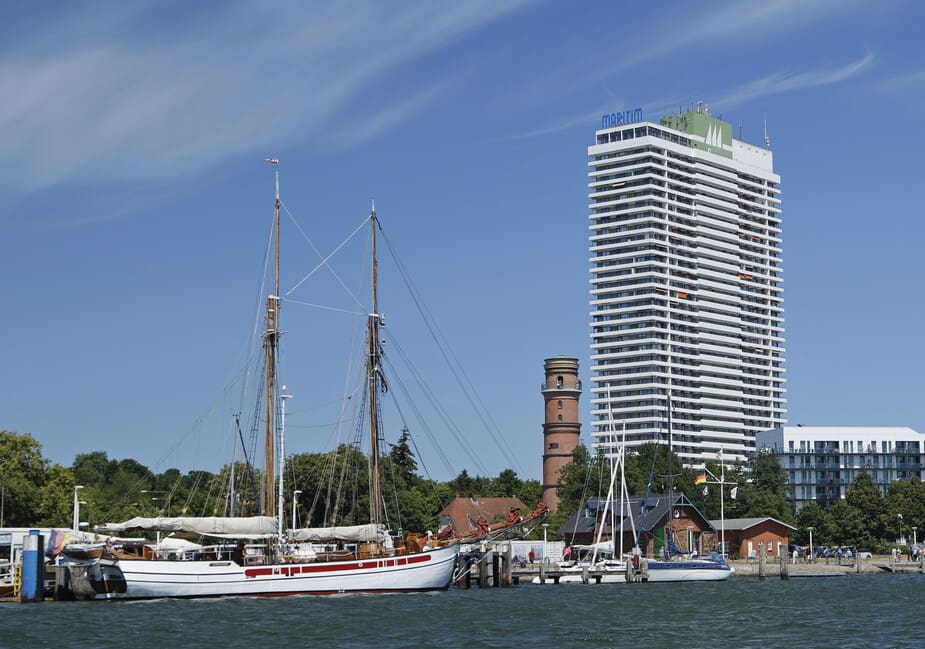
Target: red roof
[(464, 513)]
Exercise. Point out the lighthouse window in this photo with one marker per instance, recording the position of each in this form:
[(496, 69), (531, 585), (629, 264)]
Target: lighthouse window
[(553, 444), (560, 404), (560, 417), (559, 382)]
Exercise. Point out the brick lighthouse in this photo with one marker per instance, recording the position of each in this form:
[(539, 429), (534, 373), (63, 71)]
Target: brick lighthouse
[(561, 428)]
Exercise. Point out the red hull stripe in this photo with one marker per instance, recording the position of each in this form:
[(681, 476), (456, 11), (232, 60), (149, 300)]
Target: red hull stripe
[(290, 570)]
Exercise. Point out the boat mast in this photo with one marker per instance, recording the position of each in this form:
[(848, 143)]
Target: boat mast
[(271, 345), (670, 540), (372, 376)]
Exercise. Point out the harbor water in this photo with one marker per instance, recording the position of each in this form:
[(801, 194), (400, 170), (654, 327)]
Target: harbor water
[(837, 612)]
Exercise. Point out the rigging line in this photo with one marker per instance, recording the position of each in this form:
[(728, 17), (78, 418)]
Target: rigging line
[(321, 306), (453, 363), (438, 407), (324, 260), (427, 430)]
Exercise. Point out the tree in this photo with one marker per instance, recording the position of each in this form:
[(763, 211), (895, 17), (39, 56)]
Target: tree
[(22, 474), (402, 459), (55, 502), (864, 495), (767, 493)]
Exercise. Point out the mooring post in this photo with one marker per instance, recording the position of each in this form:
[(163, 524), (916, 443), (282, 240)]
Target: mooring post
[(784, 568), (33, 568), (484, 560), (506, 567), (495, 566), (762, 561)]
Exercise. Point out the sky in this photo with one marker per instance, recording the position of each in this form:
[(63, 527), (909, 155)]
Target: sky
[(135, 205)]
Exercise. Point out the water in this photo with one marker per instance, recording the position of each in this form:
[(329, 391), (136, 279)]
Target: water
[(880, 611)]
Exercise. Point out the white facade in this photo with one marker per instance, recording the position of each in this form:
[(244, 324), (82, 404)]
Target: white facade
[(686, 294), (821, 461)]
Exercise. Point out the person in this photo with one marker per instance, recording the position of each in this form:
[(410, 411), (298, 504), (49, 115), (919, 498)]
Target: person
[(531, 555), (795, 555)]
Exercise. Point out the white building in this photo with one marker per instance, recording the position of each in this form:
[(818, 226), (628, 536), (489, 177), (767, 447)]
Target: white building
[(821, 461), (686, 288)]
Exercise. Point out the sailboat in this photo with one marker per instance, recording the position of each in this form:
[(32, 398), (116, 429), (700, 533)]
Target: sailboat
[(675, 566), (255, 555)]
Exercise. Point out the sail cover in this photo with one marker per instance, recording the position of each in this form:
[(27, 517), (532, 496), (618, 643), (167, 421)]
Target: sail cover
[(369, 533), (253, 526)]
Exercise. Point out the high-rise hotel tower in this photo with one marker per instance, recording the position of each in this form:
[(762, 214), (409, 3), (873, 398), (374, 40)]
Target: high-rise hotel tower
[(686, 295)]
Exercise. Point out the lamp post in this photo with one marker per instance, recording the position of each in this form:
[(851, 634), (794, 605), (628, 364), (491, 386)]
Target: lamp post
[(545, 553), (77, 510), (915, 538), (899, 517), (812, 557), (295, 494)]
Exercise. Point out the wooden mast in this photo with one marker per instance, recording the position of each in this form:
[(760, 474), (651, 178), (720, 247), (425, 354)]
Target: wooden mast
[(271, 345), (372, 375)]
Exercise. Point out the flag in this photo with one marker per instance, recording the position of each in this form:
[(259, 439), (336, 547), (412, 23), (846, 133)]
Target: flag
[(732, 494), (56, 541), (706, 491), (701, 479)]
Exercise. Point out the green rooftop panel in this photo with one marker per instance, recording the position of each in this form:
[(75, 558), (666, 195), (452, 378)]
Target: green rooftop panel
[(717, 134)]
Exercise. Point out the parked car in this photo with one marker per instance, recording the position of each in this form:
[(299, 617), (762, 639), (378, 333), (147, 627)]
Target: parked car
[(863, 554)]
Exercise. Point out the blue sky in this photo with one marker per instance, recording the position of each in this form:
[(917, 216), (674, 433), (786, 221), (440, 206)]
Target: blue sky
[(134, 203)]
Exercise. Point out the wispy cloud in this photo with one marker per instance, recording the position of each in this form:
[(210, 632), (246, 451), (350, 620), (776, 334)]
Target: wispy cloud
[(771, 84), (780, 82), (909, 80), (139, 94), (728, 23)]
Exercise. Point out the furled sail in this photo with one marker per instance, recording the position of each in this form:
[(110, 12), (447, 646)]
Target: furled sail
[(369, 533), (252, 526)]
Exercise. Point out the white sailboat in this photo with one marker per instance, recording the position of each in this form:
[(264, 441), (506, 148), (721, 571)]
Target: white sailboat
[(255, 555), (674, 567)]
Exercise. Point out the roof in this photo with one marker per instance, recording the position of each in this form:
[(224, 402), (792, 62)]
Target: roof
[(583, 521), (464, 513), (746, 523)]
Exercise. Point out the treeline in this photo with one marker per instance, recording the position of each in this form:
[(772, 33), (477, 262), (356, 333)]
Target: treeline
[(333, 488)]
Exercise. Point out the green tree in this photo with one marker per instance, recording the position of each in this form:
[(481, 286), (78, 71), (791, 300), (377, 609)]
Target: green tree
[(768, 492), (22, 474), (55, 498), (864, 495)]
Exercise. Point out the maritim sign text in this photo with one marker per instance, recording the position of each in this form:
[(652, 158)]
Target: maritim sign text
[(618, 119)]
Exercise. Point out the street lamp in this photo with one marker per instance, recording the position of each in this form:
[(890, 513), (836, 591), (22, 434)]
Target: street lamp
[(77, 504), (295, 494), (812, 557), (545, 553), (899, 517), (915, 538)]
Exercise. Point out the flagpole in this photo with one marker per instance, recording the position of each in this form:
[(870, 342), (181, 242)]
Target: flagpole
[(721, 481)]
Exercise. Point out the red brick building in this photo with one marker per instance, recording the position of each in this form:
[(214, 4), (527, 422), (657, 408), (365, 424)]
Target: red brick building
[(744, 534)]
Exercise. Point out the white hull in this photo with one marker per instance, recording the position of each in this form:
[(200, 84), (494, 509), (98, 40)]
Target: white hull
[(688, 571), (145, 579)]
